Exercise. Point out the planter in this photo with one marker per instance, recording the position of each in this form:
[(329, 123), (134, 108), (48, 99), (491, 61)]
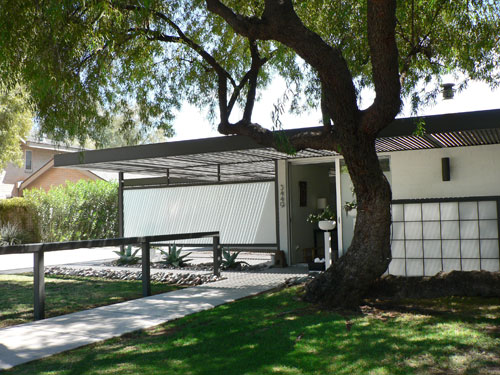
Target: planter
[(327, 224), (316, 266), (352, 213)]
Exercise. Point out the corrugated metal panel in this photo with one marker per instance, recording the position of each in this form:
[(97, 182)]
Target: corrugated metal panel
[(243, 213)]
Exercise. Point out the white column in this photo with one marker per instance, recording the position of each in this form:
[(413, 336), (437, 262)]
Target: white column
[(328, 255), (339, 206)]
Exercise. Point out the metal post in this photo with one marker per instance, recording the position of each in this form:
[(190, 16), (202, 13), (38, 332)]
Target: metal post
[(146, 271), (120, 208), (216, 250), (39, 285), (277, 204)]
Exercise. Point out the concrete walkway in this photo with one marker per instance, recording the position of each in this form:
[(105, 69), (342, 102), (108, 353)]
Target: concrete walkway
[(32, 341)]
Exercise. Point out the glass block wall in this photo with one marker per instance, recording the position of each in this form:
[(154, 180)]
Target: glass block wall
[(433, 236)]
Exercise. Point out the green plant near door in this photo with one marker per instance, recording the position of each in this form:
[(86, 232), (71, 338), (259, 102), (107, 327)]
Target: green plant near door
[(326, 214)]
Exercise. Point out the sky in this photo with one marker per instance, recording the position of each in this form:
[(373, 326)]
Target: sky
[(191, 123)]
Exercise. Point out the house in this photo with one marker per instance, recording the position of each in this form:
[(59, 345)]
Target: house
[(445, 184), (38, 169)]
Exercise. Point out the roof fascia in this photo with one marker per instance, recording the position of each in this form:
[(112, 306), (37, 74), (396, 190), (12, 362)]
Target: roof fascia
[(158, 150)]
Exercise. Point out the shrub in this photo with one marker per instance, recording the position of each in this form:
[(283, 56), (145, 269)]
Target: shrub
[(76, 211), (11, 234), (20, 213)]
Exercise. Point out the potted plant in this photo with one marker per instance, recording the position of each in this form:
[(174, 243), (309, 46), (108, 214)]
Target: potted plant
[(351, 208), (325, 219)]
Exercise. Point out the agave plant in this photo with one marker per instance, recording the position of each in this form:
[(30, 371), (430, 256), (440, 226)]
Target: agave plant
[(11, 234), (229, 260), (127, 256), (173, 256)]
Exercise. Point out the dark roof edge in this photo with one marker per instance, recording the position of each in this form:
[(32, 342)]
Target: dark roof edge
[(488, 119), (400, 127), (155, 150)]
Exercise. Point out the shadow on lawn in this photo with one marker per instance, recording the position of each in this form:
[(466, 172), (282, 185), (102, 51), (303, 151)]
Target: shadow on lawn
[(274, 334), (64, 295)]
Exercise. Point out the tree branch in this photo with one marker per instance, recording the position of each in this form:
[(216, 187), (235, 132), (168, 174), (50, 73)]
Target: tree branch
[(319, 140), (280, 22), (252, 80)]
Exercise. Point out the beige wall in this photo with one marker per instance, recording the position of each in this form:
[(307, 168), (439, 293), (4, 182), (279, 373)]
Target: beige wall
[(58, 176), (13, 173)]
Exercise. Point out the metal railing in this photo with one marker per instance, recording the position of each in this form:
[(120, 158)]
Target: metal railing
[(39, 249)]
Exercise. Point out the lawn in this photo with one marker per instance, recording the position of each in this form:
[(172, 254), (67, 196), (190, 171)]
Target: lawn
[(64, 295), (276, 333)]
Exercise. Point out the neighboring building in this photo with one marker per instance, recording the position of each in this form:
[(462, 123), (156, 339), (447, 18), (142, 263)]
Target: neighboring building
[(445, 186), (37, 170)]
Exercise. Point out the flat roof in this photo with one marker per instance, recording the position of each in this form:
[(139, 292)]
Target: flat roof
[(237, 158)]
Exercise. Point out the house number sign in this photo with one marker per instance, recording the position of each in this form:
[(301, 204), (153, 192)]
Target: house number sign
[(282, 196)]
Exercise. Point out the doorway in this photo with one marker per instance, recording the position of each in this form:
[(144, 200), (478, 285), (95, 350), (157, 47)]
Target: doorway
[(312, 186)]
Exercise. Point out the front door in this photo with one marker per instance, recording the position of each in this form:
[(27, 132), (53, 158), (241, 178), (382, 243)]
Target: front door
[(311, 186)]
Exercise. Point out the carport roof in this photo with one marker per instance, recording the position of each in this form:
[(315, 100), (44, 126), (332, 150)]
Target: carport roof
[(233, 158)]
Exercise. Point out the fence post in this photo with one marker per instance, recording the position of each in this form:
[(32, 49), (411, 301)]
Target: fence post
[(216, 252), (39, 285), (146, 270)]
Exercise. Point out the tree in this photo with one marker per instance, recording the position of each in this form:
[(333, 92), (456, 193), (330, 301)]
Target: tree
[(84, 62), (129, 133), (15, 125)]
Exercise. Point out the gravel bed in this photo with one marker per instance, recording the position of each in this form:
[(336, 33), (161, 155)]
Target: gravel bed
[(189, 267), (184, 279)]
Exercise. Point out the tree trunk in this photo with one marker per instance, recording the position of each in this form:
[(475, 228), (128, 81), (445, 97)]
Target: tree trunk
[(369, 255)]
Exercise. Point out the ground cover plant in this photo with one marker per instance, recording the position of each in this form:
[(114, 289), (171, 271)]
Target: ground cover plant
[(65, 295), (277, 333)]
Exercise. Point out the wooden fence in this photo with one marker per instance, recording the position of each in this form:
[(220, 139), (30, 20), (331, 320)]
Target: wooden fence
[(39, 249)]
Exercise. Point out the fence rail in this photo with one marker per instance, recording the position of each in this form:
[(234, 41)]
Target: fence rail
[(39, 249)]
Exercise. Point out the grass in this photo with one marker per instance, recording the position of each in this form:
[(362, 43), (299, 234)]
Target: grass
[(276, 333), (64, 295)]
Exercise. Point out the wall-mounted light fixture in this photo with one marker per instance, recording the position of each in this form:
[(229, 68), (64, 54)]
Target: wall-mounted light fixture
[(303, 193), (445, 168), (448, 91)]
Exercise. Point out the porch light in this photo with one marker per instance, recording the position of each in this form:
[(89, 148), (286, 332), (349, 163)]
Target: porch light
[(445, 168), (321, 203), (448, 91)]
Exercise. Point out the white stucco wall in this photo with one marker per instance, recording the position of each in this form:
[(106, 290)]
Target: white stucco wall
[(475, 171)]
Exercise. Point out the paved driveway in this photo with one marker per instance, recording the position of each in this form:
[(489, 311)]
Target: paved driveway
[(24, 262)]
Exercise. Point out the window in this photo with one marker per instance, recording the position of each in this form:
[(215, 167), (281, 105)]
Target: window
[(27, 161)]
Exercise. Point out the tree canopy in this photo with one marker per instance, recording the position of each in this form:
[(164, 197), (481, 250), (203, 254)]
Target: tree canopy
[(83, 62), (15, 124)]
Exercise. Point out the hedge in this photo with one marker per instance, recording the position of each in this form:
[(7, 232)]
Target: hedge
[(76, 211)]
